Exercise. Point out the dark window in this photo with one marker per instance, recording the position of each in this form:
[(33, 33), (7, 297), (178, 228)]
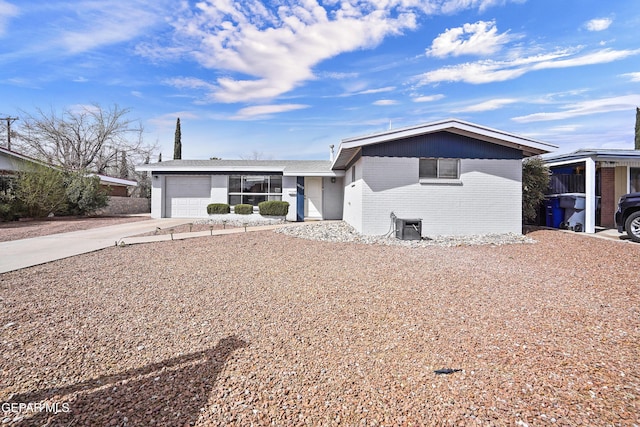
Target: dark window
[(634, 180), (439, 169), (235, 184), (253, 189)]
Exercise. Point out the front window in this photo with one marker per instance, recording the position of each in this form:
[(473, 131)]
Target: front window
[(634, 180), (439, 169), (253, 189)]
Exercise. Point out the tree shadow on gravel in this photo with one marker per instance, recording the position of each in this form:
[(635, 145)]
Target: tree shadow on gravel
[(168, 393)]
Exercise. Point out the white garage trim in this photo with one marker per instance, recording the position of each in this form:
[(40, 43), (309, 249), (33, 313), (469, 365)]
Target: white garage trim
[(187, 196)]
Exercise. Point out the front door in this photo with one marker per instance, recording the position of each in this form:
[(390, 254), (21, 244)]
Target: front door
[(313, 197)]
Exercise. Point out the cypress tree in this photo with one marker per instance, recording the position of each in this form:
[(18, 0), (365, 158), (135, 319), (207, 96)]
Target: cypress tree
[(177, 144)]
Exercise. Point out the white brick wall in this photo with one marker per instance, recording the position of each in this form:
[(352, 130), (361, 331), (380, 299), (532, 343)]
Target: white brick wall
[(352, 208), (332, 197), (488, 198), (157, 196)]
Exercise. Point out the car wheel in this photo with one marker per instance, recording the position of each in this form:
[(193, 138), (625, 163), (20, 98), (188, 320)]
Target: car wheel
[(633, 226)]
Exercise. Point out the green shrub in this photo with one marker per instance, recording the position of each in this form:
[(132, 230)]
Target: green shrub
[(84, 194), (41, 191), (218, 208), (10, 208), (243, 209), (274, 208), (535, 181)]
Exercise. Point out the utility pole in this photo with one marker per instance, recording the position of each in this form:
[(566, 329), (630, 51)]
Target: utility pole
[(9, 121)]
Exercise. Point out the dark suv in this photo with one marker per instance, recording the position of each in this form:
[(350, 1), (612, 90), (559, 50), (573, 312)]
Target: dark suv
[(628, 215)]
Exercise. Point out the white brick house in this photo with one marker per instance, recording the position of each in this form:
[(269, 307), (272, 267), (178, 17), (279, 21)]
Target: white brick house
[(457, 177)]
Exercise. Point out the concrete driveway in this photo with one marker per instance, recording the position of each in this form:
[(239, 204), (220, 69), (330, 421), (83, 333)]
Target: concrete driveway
[(18, 254)]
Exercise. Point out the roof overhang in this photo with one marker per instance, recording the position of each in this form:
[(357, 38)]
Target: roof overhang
[(310, 173), (21, 157), (236, 169), (157, 167), (110, 180), (350, 147), (606, 158)]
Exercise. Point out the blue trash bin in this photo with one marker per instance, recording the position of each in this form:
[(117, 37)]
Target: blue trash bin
[(555, 213)]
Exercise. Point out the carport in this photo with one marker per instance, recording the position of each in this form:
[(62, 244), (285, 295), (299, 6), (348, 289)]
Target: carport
[(607, 174)]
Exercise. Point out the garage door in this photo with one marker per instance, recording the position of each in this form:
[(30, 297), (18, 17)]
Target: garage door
[(187, 196)]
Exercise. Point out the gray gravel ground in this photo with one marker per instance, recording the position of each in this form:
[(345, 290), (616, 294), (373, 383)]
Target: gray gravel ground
[(268, 329), (340, 231)]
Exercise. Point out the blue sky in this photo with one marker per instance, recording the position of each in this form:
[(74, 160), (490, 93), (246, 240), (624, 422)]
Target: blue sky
[(285, 79)]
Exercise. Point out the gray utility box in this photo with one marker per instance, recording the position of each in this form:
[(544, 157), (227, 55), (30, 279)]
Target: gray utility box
[(408, 229)]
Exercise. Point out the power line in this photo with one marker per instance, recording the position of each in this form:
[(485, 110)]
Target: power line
[(9, 121)]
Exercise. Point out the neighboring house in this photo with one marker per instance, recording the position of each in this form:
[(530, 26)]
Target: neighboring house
[(12, 162), (457, 177), (601, 175), (116, 187)]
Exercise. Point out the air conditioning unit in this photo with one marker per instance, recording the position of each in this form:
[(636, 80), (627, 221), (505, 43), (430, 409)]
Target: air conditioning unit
[(408, 229)]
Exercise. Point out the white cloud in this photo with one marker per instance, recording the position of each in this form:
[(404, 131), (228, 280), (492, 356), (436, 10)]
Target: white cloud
[(266, 110), (487, 71), (167, 121), (367, 91), (385, 102), (479, 39), (340, 76), (103, 22), (267, 51), (378, 90), (595, 106), (428, 98), (490, 105), (598, 24), (189, 83), (565, 128), (279, 48), (634, 77), (7, 11), (453, 6)]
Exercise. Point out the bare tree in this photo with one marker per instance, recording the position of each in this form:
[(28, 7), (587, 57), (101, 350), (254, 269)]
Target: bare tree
[(88, 138)]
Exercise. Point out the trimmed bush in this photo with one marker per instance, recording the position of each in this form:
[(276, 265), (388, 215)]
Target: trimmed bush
[(243, 209), (274, 208), (218, 208)]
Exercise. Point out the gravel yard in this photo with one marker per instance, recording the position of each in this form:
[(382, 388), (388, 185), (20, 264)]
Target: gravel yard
[(16, 230), (268, 329)]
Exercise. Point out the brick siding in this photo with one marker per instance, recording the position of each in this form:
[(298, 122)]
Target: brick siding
[(607, 201)]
